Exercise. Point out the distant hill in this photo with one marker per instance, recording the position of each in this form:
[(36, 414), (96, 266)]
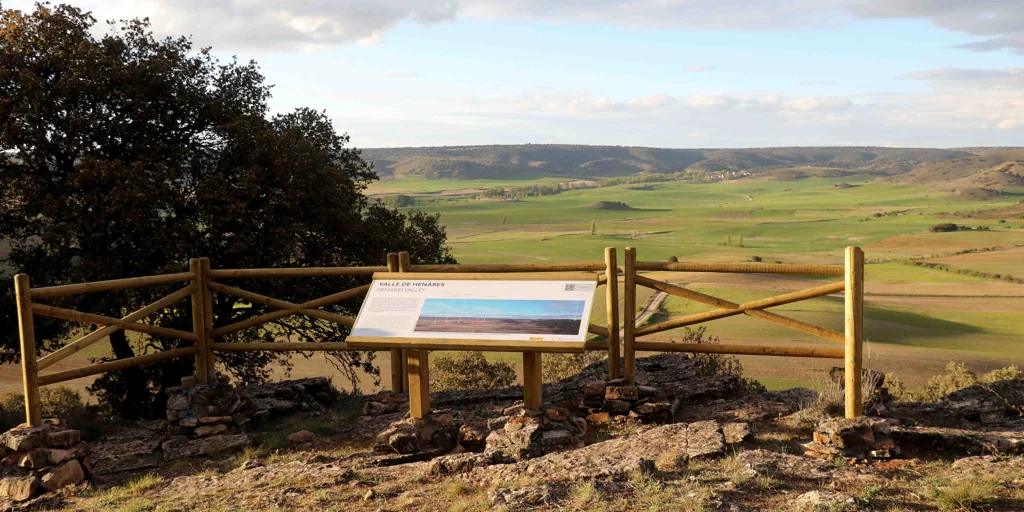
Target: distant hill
[(990, 171), (561, 160)]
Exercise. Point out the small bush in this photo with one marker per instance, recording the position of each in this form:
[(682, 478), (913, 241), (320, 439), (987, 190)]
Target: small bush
[(712, 365), (898, 389), (831, 402), (555, 367), (957, 377), (673, 259), (1011, 372), (55, 402), (470, 370)]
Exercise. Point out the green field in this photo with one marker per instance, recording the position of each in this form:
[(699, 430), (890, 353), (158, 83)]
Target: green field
[(917, 318)]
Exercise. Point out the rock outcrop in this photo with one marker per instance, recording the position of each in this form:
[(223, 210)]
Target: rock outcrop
[(218, 408), (614, 457)]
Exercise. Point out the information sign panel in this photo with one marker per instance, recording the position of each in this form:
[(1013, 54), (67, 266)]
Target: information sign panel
[(499, 310)]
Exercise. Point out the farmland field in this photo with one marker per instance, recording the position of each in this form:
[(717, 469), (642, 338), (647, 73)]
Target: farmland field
[(918, 318)]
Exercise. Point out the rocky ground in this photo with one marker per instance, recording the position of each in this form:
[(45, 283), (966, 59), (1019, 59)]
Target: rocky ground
[(725, 447)]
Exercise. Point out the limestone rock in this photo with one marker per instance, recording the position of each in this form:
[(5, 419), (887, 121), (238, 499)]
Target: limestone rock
[(68, 473), (532, 496), (471, 438), (301, 437), (736, 432), (216, 428), (959, 441), (177, 448), (594, 388), (825, 500), (35, 459), (19, 488), (613, 457), (455, 464), (628, 393)]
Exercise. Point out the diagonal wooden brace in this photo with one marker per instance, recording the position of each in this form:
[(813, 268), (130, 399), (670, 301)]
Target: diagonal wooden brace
[(90, 318), (99, 334), (774, 318), (778, 300), (285, 308)]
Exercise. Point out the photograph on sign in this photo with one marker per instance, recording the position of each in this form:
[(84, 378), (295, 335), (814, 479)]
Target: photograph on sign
[(498, 310)]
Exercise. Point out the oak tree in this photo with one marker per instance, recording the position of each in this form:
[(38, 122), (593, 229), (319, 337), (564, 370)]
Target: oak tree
[(125, 155)]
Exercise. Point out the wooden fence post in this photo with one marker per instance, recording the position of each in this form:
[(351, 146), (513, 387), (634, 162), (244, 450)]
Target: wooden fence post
[(27, 331), (629, 316), (533, 386), (397, 357), (611, 272), (198, 323), (403, 266), (854, 330), (207, 349)]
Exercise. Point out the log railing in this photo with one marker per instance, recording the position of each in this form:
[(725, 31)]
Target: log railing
[(852, 338), (410, 365)]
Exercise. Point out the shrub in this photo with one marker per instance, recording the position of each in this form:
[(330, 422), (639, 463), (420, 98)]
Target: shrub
[(712, 365), (898, 389), (54, 402), (831, 402), (1012, 372), (470, 370), (673, 259), (957, 377), (555, 367), (943, 228)]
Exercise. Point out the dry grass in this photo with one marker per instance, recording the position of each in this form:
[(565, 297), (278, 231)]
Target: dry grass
[(965, 493)]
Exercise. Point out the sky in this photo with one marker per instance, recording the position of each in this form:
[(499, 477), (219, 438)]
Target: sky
[(495, 308), (662, 73)]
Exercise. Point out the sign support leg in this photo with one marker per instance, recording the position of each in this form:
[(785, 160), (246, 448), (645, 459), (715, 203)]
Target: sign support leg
[(533, 390), (418, 369)]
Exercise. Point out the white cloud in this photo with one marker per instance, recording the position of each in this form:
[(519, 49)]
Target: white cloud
[(1007, 78), (256, 25), (1010, 124), (700, 69), (708, 101), (261, 24), (816, 104)]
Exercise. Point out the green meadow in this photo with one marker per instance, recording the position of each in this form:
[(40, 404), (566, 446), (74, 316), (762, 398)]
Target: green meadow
[(918, 318)]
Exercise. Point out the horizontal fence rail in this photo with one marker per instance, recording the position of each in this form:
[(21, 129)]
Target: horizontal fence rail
[(409, 360)]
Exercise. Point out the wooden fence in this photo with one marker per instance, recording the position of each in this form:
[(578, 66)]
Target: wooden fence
[(410, 366)]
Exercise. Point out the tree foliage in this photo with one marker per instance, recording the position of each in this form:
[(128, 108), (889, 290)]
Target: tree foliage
[(126, 155)]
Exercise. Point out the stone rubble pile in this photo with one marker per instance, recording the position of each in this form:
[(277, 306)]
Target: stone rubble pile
[(604, 401), (523, 433), (42, 459), (438, 432), (857, 438), (218, 408)]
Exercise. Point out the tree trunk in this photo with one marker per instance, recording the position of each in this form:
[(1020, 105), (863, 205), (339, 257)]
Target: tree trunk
[(136, 400)]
